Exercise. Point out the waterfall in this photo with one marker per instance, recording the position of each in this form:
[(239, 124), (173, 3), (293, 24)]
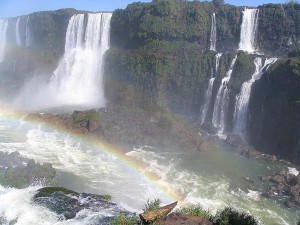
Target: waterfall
[(248, 30), (27, 33), (208, 92), (3, 29), (221, 102), (218, 57), (213, 33), (207, 98), (78, 77), (241, 106), (18, 36)]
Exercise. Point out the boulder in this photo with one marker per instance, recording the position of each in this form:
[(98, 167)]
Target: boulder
[(278, 179), (92, 125), (153, 215), (290, 203), (209, 128), (235, 141)]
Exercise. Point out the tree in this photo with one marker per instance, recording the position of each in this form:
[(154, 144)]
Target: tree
[(218, 3)]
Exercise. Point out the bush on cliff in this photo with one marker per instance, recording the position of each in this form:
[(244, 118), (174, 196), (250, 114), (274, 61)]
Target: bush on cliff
[(230, 216)]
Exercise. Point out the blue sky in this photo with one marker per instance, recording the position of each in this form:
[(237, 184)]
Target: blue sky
[(9, 8)]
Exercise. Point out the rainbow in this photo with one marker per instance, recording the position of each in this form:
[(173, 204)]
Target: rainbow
[(101, 145)]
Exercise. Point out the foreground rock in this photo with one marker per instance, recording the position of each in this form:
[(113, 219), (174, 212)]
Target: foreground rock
[(19, 172), (153, 215), (67, 204)]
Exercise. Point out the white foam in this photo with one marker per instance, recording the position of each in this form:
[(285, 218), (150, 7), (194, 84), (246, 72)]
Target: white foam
[(293, 171)]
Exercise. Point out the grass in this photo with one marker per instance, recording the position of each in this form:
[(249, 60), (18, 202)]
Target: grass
[(152, 205), (107, 197), (195, 210), (123, 220)]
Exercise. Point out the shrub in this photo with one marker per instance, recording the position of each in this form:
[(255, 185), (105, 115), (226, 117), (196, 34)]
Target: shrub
[(151, 205), (195, 210), (123, 220), (166, 120), (107, 197), (230, 216)]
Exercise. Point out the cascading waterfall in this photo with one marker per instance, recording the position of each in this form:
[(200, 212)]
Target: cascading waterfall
[(18, 36), (242, 102), (213, 33), (221, 102), (27, 32), (208, 93), (78, 78), (3, 29), (248, 30)]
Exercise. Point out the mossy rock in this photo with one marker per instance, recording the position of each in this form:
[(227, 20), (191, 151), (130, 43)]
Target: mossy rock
[(47, 191)]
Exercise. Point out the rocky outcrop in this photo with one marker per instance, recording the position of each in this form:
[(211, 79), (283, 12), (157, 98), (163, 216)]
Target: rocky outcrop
[(67, 203), (286, 184), (19, 172)]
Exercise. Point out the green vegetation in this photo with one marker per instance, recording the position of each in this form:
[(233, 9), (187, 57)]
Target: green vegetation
[(107, 197), (85, 116), (195, 210), (230, 216), (166, 120), (243, 70), (45, 192), (20, 177), (123, 220), (152, 204)]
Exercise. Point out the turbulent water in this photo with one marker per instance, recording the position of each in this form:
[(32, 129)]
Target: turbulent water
[(213, 33), (213, 179), (221, 101), (3, 29), (241, 107), (248, 30)]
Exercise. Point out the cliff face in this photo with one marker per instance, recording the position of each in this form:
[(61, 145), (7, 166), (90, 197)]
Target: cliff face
[(274, 123), (160, 56), (161, 49)]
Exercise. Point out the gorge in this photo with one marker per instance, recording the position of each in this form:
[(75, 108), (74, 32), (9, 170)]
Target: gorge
[(234, 70)]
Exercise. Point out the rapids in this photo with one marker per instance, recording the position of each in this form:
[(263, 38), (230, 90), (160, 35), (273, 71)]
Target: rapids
[(213, 179)]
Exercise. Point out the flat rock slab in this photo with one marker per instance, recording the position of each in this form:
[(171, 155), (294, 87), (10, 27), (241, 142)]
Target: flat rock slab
[(180, 219)]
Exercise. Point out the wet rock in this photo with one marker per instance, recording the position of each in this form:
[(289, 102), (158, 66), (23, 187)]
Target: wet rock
[(34, 117), (179, 219), (209, 128), (293, 180), (270, 192), (278, 179), (282, 172), (249, 153), (235, 141), (92, 125), (290, 204), (68, 203), (265, 178)]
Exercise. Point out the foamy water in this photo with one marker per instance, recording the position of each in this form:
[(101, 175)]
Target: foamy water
[(212, 179)]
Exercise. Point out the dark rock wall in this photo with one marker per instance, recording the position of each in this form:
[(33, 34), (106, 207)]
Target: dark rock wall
[(274, 125)]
